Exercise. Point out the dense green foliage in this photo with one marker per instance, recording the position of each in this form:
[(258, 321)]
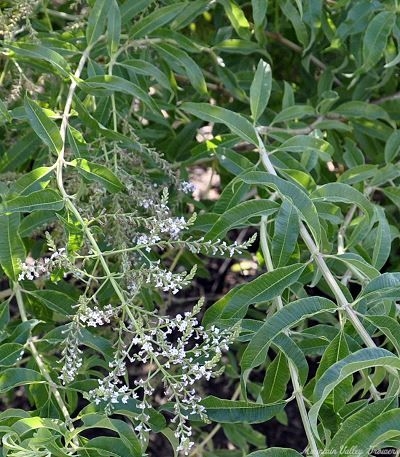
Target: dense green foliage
[(107, 108)]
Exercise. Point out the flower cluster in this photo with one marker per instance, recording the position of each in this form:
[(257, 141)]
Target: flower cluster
[(33, 269), (159, 278), (71, 354), (92, 317), (181, 352)]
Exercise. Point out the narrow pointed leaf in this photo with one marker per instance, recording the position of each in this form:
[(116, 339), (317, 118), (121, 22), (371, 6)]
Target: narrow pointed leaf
[(237, 18), (100, 173), (359, 360), (275, 452), (382, 238), (113, 27), (357, 420), (293, 193), (276, 379), (43, 126), (240, 214), (385, 286), (150, 22), (286, 232), (264, 288), (389, 327), (13, 377), (97, 21), (39, 52), (35, 180), (287, 317), (375, 38), (107, 84), (46, 199), (234, 121), (392, 147), (294, 112), (260, 89), (233, 412), (12, 249), (294, 354)]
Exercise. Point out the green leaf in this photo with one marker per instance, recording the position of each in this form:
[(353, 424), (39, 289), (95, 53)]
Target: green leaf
[(113, 26), (392, 147), (10, 354), (260, 89), (340, 192), (234, 121), (131, 9), (275, 452), (107, 84), (5, 115), (287, 317), (142, 67), (12, 249), (239, 214), (46, 199), (359, 109), (44, 127), (33, 181), (294, 112), (286, 232), (388, 326), (236, 18), (182, 63), (358, 265), (375, 38), (356, 421), (383, 239), (276, 379), (334, 375), (336, 350), (153, 21), (305, 143), (55, 300), (264, 288), (13, 377), (394, 194), (235, 412), (100, 173), (39, 52), (97, 21), (295, 194), (34, 220), (293, 353), (385, 286)]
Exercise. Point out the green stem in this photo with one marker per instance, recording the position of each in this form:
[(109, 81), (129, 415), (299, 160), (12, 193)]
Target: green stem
[(297, 387), (43, 370)]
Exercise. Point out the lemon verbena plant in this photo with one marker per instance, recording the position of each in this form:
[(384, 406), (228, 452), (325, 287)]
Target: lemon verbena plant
[(253, 315)]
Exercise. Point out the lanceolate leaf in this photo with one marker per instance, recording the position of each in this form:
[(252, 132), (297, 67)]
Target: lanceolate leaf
[(150, 22), (100, 173), (359, 419), (295, 194), (264, 288), (142, 67), (43, 126), (113, 26), (275, 381), (39, 52), (234, 121), (181, 62), (382, 238), (33, 181), (239, 214), (55, 300), (389, 327), (293, 353), (387, 285), (283, 319), (97, 20), (107, 84), (275, 452), (359, 360), (46, 199), (231, 412), (12, 249), (260, 89), (13, 377), (286, 231), (375, 38), (339, 192)]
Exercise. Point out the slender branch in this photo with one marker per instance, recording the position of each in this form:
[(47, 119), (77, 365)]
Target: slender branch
[(297, 387), (43, 370), (295, 47)]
